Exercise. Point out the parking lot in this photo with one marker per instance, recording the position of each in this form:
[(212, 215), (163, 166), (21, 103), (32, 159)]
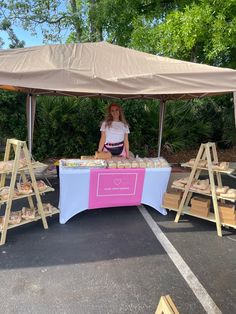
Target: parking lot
[(118, 260)]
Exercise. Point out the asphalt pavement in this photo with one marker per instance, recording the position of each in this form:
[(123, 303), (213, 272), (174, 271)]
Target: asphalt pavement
[(110, 261)]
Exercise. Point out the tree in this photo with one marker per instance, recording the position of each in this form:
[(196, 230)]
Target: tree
[(86, 20), (5, 25), (51, 16), (204, 31)]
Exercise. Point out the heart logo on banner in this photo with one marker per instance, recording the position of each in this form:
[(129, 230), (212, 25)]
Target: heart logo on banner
[(117, 181)]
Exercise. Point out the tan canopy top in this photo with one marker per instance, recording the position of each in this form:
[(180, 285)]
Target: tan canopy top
[(105, 70)]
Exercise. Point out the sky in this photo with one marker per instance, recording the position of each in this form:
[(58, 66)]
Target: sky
[(22, 35), (29, 39)]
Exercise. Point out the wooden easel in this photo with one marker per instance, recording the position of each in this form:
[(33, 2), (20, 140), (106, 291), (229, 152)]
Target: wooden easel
[(166, 306), (206, 152), (20, 150)]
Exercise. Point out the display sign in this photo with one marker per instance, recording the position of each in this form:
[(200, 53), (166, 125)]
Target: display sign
[(115, 187)]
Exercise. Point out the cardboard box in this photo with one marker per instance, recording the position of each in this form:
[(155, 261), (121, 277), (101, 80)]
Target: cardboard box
[(200, 208), (204, 212), (227, 215), (173, 196), (228, 221), (226, 208), (201, 202), (171, 203), (172, 200)]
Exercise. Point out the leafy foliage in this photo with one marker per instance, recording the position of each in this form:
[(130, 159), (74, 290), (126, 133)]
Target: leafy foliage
[(203, 31), (12, 116), (67, 126)]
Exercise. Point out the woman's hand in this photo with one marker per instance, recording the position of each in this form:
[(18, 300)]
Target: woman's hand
[(126, 144)]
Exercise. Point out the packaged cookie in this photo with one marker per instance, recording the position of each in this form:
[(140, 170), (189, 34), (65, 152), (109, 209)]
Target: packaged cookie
[(15, 217), (28, 213), (24, 188), (41, 185)]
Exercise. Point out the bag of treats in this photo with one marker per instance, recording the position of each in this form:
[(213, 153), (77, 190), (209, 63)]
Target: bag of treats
[(4, 192), (24, 188), (47, 208), (28, 213), (15, 217), (41, 185)]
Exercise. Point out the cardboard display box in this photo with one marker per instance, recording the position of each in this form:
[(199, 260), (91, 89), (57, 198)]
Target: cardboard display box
[(227, 216), (200, 211), (173, 196), (200, 202), (226, 208), (228, 221), (171, 204), (172, 200)]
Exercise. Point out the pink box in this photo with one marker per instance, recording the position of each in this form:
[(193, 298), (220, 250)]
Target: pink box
[(115, 187)]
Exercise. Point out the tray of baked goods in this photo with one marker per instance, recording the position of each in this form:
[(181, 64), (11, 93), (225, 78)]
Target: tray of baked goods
[(85, 163), (121, 162), (114, 162), (23, 189), (204, 187), (216, 166), (117, 162), (26, 215), (7, 166)]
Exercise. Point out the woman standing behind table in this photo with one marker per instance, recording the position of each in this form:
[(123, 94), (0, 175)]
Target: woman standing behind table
[(114, 132)]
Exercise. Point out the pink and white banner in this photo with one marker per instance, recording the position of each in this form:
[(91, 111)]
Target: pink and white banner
[(115, 187)]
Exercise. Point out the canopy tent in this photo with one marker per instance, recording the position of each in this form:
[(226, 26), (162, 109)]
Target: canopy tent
[(105, 70)]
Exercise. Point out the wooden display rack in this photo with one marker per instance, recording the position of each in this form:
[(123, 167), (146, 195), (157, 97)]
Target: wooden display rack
[(166, 306), (21, 151), (206, 152)]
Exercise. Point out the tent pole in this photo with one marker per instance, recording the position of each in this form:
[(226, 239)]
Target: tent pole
[(30, 111), (161, 122), (234, 108), (29, 120)]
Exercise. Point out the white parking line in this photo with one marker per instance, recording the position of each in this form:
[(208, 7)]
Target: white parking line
[(197, 288), (231, 238)]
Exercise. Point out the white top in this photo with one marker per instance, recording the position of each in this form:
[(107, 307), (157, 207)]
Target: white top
[(116, 132)]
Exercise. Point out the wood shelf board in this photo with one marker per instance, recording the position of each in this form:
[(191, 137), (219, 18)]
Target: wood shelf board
[(23, 222), (49, 189), (229, 171), (210, 217), (35, 165), (201, 193)]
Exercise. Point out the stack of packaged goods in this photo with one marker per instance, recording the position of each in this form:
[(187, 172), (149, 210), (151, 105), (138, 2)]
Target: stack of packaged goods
[(118, 162), (200, 206), (227, 213), (105, 159), (172, 200), (83, 164)]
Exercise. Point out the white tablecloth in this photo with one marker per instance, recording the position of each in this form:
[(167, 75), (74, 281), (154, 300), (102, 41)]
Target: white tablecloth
[(74, 190)]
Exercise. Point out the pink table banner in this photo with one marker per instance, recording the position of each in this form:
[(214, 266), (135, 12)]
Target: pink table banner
[(115, 187)]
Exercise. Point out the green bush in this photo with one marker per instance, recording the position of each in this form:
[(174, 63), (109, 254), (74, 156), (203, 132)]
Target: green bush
[(12, 116), (69, 126)]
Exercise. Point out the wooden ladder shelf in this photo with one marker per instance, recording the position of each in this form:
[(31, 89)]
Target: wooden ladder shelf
[(208, 153), (20, 151), (166, 306)]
